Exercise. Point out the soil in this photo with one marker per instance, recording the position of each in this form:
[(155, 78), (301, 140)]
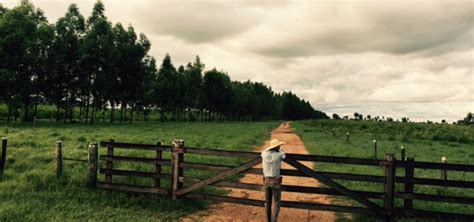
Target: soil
[(235, 212)]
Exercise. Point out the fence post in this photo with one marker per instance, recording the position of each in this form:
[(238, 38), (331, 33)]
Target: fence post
[(409, 187), (402, 154), (375, 149), (159, 158), (389, 165), (444, 172), (59, 158), (93, 161), (4, 157), (109, 164), (177, 171)]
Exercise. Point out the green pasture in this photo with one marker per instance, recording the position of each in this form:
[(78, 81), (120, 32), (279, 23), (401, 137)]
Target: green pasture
[(424, 142), (30, 191)]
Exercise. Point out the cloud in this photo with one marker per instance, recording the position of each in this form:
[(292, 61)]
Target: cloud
[(199, 21), (395, 28)]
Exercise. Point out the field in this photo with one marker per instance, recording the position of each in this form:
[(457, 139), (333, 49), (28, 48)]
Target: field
[(30, 190), (424, 142)]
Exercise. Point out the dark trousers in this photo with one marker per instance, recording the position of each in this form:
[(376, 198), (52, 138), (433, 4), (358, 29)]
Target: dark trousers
[(272, 201)]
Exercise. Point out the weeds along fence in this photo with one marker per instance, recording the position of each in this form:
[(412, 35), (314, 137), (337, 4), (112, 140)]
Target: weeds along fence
[(197, 173)]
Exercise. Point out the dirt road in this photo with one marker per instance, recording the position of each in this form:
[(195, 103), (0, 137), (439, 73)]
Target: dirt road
[(235, 212)]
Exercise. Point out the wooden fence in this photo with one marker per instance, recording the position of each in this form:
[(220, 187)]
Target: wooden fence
[(378, 204)]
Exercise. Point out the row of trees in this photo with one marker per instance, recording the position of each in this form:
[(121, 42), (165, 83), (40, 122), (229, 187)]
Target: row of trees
[(468, 120), (85, 66)]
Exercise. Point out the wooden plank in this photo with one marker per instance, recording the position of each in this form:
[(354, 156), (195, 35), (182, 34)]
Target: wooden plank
[(439, 166), (438, 182), (436, 198), (286, 188), (435, 215), (289, 172), (132, 188), (325, 180), (153, 161), (131, 173), (204, 166), (220, 176), (300, 157), (334, 159), (222, 153), (136, 146), (332, 175), (287, 204)]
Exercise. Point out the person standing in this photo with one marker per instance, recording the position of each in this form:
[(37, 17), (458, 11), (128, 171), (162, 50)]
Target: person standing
[(271, 163)]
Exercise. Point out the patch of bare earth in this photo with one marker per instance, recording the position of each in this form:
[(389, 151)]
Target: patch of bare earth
[(236, 212)]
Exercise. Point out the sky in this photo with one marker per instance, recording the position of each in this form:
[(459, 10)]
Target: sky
[(399, 58)]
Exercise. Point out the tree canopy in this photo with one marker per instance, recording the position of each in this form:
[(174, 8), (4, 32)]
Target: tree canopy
[(90, 66)]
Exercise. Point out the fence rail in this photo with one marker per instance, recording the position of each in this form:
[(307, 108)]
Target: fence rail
[(184, 186)]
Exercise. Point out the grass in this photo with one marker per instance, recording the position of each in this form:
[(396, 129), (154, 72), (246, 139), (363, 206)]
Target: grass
[(424, 142), (30, 190)]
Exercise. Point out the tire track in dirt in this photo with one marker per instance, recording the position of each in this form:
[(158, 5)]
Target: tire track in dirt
[(224, 212)]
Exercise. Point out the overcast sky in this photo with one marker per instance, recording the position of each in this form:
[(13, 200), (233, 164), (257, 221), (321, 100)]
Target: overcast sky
[(387, 58)]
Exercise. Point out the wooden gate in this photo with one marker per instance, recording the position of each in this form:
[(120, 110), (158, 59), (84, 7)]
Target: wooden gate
[(182, 181)]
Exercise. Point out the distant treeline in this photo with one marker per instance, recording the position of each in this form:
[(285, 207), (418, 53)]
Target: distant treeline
[(468, 120), (87, 67)]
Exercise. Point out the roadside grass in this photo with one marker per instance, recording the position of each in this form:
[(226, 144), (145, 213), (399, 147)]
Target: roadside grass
[(30, 190), (424, 142)]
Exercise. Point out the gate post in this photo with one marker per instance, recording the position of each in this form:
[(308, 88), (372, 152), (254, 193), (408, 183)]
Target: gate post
[(159, 158), (409, 187), (177, 149), (109, 164), (93, 165), (3, 159), (389, 165), (59, 158)]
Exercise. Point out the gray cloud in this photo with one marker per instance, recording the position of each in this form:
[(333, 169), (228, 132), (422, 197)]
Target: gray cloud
[(397, 28), (198, 21)]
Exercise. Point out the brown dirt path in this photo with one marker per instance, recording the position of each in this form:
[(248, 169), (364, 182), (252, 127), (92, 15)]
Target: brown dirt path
[(234, 212)]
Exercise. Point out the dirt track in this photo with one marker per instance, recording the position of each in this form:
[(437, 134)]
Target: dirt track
[(234, 212)]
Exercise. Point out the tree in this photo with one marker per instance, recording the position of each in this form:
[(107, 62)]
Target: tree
[(167, 84), (19, 54), (217, 91), (65, 78), (335, 116), (192, 85), (97, 53)]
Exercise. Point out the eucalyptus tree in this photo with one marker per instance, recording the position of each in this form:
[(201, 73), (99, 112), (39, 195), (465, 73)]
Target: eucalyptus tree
[(19, 52), (64, 80), (97, 52), (218, 92), (167, 86)]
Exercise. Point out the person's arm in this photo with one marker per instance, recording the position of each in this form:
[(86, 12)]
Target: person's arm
[(283, 155)]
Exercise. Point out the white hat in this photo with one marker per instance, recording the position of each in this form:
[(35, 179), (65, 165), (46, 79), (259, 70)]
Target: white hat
[(274, 143)]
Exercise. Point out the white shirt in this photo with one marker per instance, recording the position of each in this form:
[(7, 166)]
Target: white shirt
[(271, 162)]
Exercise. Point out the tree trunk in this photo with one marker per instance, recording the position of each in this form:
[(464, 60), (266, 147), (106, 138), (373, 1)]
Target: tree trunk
[(131, 114), (86, 118), (9, 113), (57, 111), (112, 112), (121, 113), (92, 114)]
